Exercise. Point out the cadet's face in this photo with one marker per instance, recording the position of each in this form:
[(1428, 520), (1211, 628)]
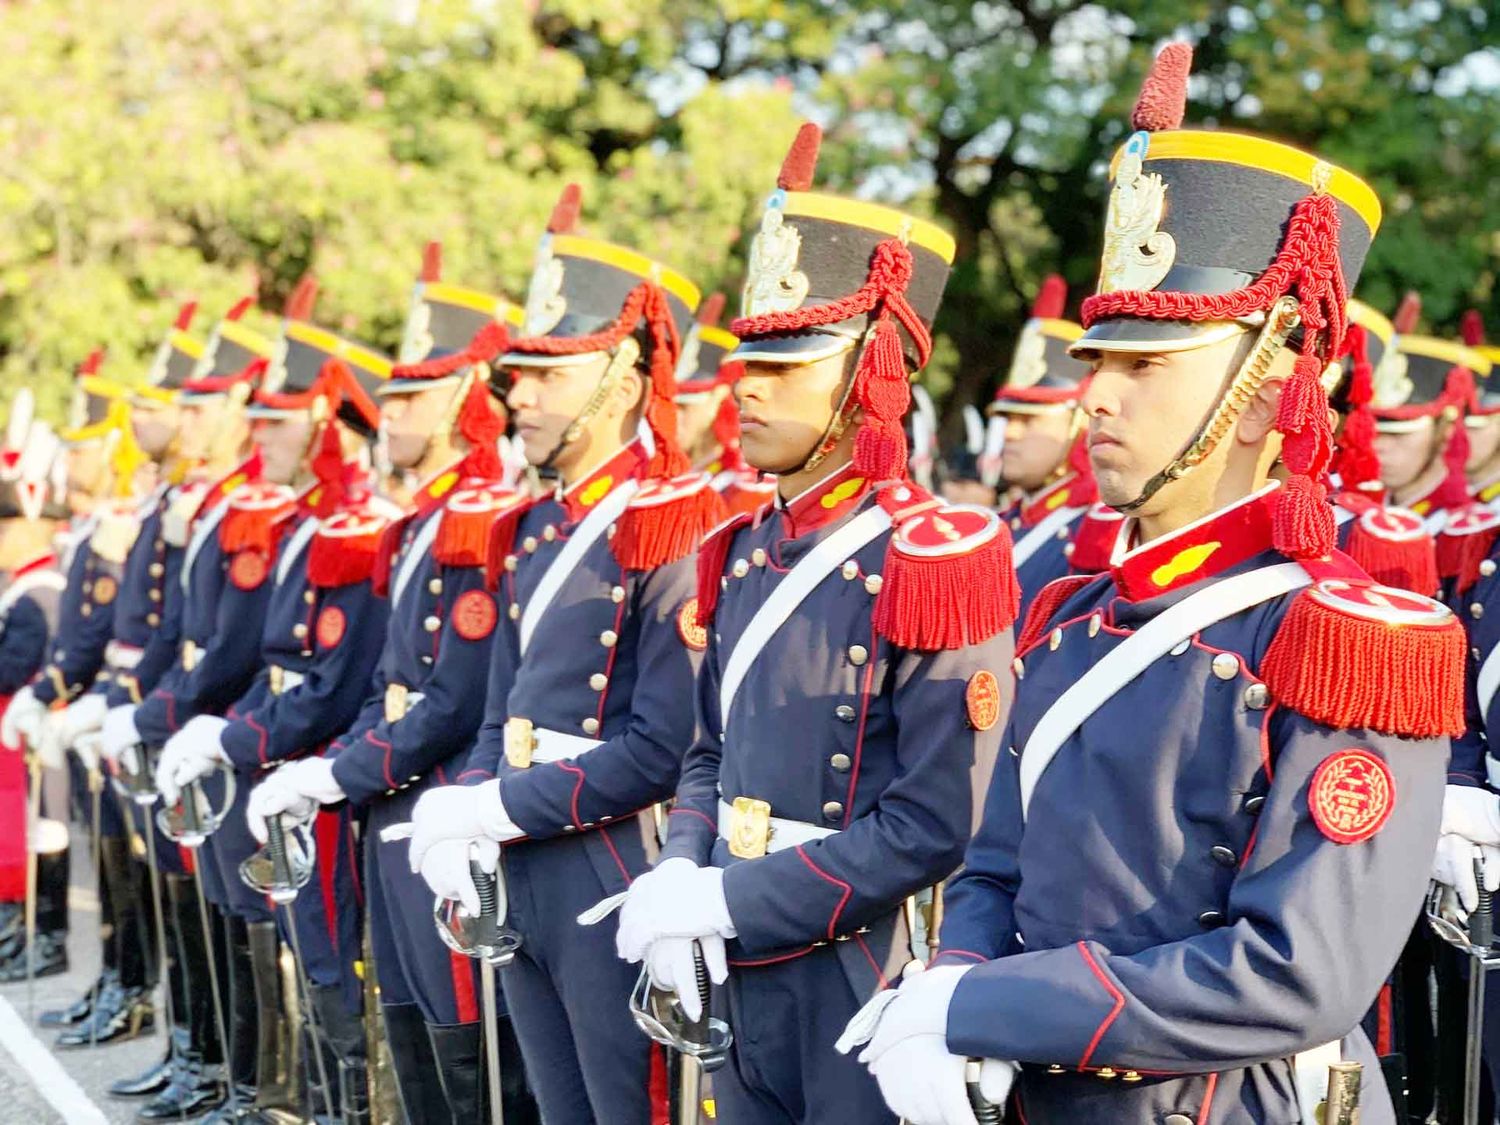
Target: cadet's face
[(86, 468), (785, 409), (283, 444), (155, 427), (968, 492), (1484, 443), (410, 420), (544, 401), (1143, 408), (1035, 447), (1403, 457), (695, 424), (200, 425)]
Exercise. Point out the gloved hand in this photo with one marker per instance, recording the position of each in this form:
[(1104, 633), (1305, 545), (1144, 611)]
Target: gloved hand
[(924, 1084), (677, 899), (84, 715), (670, 962), (47, 741), (920, 1007), (192, 753), (1453, 866), (22, 719), (1473, 813), (296, 789), (86, 746), (445, 867), (459, 812), (119, 731)]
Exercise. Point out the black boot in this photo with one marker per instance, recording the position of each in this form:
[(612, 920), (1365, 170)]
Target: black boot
[(12, 928), (416, 1066), (344, 1050), (79, 1010), (242, 1015), (274, 1072), (460, 1057), (154, 1079), (121, 1014), (51, 955), (51, 959)]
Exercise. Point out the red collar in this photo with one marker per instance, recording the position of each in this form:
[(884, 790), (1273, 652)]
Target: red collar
[(1487, 491), (582, 495), (1200, 550), (829, 500), (47, 559), (244, 473), (435, 490), (1034, 509), (1359, 500)]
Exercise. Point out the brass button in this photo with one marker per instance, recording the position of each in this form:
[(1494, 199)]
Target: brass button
[(1176, 1119), (155, 595), (1018, 666), (156, 570), (1253, 805), (87, 587), (510, 563), (873, 584), (1226, 666), (1476, 610), (1131, 1076), (1096, 622), (1256, 697), (758, 556), (609, 638), (1068, 549), (514, 611), (617, 595), (153, 619), (832, 810), (1063, 532), (549, 533), (529, 544), (1223, 856), (1055, 1069), (1054, 642), (432, 624), (435, 586), (86, 609), (840, 762), (1210, 919), (591, 726), (858, 654), (1487, 568), (844, 713), (308, 596), (299, 630), (1106, 1072), (598, 681), (740, 568), (850, 570)]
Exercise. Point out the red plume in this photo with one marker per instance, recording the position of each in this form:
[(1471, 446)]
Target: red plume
[(185, 315), (432, 262), (90, 365), (1051, 298), (1163, 98), (565, 215), (239, 308), (801, 159), (299, 305), (1408, 313), (711, 309), (1471, 328), (328, 467)]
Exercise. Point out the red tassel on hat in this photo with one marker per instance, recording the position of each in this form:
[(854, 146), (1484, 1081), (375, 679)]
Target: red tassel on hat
[(726, 430), (801, 159), (1049, 599), (1085, 488), (1358, 464), (185, 316), (712, 556), (432, 262), (1352, 669), (91, 362), (564, 218), (328, 468), (299, 306), (1471, 328), (1051, 299), (1458, 393), (239, 308), (1408, 313), (481, 424), (1163, 98)]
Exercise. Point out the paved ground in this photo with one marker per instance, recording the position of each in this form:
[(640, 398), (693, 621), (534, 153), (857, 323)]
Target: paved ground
[(27, 1061)]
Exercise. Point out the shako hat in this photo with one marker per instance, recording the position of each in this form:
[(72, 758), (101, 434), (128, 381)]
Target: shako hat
[(1043, 374)]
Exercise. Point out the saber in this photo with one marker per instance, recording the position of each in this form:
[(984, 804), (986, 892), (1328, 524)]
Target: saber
[(487, 886), (33, 827), (691, 1067), (144, 800), (986, 1112), (96, 791), (1345, 1080), (1482, 940)]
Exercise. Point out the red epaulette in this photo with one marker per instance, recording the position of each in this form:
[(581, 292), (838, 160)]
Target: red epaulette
[(1353, 654), (387, 547), (1466, 543), (256, 517), (712, 556), (666, 520), (748, 492), (949, 578), (346, 547), (463, 538), (1393, 547), (1049, 599), (500, 553)]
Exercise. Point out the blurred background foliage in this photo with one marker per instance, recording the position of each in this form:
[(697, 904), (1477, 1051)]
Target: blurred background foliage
[(154, 151)]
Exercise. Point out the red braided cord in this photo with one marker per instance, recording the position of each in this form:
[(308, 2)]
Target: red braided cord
[(492, 339)]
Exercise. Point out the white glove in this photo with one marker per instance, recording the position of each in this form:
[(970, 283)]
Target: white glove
[(22, 718), (84, 715), (191, 753), (459, 812), (924, 1084), (1453, 866), (445, 868), (676, 899), (119, 731), (670, 963), (296, 789), (47, 742), (86, 746), (1473, 813), (920, 1008)]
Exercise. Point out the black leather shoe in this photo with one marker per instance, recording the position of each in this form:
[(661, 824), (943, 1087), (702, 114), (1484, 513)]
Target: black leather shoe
[(190, 1093), (153, 1080), (121, 1014), (51, 959), (79, 1010)]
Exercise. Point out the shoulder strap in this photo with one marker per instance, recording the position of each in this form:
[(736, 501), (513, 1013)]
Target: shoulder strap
[(584, 536), (419, 547), (1489, 680), (1133, 655), (295, 546), (791, 592), (201, 533), (1032, 541)]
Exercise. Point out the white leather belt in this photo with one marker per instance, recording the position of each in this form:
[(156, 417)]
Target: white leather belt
[(1492, 770), (527, 745), (120, 657), (751, 830)]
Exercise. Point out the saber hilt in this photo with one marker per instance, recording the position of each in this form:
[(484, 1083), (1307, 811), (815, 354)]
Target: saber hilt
[(1482, 920), (487, 886), (986, 1112), (282, 888)]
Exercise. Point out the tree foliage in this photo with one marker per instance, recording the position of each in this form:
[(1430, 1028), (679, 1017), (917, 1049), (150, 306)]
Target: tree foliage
[(157, 150)]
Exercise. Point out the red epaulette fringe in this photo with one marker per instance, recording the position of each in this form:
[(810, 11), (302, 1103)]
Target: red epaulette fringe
[(1459, 557), (463, 537), (502, 542), (1410, 564), (386, 550), (667, 521), (712, 556)]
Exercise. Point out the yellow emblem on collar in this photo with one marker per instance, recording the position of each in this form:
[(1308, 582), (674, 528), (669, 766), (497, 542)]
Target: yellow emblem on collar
[(1422, 507), (443, 483), (1183, 562), (1056, 500), (596, 491), (1490, 492), (841, 492)]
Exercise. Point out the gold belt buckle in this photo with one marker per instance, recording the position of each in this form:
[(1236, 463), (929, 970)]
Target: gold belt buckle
[(395, 702), (520, 742), (749, 828), (189, 656), (278, 679)]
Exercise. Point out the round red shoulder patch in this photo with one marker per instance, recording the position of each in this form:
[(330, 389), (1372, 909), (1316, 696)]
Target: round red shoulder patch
[(1396, 525), (248, 570), (953, 529), (331, 624), (693, 635), (1351, 796), (982, 700), (474, 615)]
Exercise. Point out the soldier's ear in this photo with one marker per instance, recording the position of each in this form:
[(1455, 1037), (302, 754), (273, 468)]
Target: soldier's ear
[(1258, 419)]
